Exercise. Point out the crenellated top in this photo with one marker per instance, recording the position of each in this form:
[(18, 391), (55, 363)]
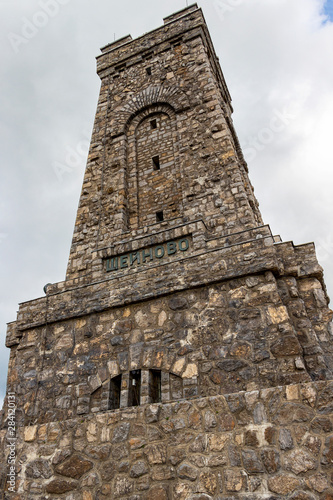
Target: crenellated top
[(184, 25)]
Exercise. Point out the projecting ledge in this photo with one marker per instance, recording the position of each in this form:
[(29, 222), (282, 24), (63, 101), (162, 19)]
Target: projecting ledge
[(116, 43)]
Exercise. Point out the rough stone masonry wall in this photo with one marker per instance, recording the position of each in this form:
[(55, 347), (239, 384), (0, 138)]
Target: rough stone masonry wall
[(233, 336), (274, 443), (201, 172)]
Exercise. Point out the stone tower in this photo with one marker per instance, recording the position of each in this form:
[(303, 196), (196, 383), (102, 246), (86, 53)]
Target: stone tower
[(188, 353)]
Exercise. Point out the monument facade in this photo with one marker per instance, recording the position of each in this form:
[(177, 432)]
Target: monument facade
[(188, 354)]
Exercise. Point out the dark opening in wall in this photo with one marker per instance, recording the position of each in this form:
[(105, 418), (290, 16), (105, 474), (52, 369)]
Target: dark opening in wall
[(156, 162), (153, 124), (155, 386), (159, 216), (134, 388), (115, 390), (148, 71), (120, 67)]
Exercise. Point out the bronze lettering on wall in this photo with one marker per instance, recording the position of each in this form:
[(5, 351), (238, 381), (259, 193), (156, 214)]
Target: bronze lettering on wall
[(146, 255)]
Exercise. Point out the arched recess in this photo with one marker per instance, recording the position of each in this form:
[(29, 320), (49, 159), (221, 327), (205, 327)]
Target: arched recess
[(123, 114), (153, 166)]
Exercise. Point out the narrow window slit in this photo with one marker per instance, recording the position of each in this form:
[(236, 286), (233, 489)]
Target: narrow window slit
[(148, 71), (134, 388), (155, 393), (153, 124), (156, 162), (115, 390), (159, 216)]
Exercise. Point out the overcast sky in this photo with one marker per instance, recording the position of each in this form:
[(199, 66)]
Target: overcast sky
[(277, 59)]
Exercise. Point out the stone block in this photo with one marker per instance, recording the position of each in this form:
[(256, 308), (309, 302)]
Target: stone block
[(283, 484), (74, 467), (299, 461), (30, 433), (186, 471)]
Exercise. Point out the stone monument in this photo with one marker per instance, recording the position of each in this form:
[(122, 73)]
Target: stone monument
[(188, 353)]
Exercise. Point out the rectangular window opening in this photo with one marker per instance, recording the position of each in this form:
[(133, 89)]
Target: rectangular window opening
[(155, 393), (115, 390), (156, 162), (134, 388), (148, 71), (159, 216), (153, 124)]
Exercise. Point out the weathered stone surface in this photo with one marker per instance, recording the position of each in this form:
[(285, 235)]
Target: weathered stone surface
[(121, 433), (283, 484), (117, 340), (217, 460), (30, 433), (271, 460), (108, 471), (209, 481), (101, 452), (231, 365), (313, 444), (177, 456), (94, 382), (194, 419), (302, 495), (299, 461), (191, 371), (156, 454), (234, 480), (152, 413), (285, 439), (321, 424), (59, 486), (39, 469), (217, 442), (60, 456), (252, 462), (200, 496), (291, 412), (325, 400), (186, 471), (328, 452), (287, 346), (209, 420), (122, 486), (178, 302), (157, 493), (163, 473), (74, 467), (317, 482), (251, 439), (199, 444), (259, 414), (138, 469)]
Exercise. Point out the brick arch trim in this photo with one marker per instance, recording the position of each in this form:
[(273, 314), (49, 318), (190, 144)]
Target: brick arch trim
[(179, 366), (154, 94), (154, 109)]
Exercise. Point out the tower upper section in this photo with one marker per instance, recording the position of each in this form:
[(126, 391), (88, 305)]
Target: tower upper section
[(164, 152)]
